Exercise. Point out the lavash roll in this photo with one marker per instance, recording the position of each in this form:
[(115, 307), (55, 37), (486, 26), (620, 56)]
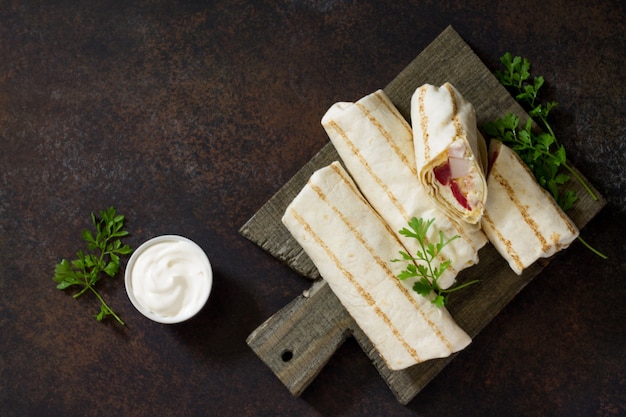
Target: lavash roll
[(375, 144), (351, 245), (449, 151), (521, 219)]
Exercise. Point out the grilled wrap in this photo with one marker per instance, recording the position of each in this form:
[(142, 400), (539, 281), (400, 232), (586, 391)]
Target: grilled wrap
[(449, 151), (521, 219), (352, 246)]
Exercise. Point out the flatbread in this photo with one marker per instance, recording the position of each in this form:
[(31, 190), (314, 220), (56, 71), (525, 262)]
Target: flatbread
[(521, 219), (351, 245)]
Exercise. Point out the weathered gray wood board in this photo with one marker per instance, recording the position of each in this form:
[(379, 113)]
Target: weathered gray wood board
[(299, 340)]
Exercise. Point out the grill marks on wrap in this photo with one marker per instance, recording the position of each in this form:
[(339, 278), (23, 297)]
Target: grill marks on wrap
[(523, 210), (357, 153), (391, 142), (527, 218), (348, 182), (401, 155), (362, 292), (382, 263), (458, 130), (386, 134), (506, 242), (552, 202), (424, 123)]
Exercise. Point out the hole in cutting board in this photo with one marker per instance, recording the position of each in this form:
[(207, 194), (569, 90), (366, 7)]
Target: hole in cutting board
[(286, 356)]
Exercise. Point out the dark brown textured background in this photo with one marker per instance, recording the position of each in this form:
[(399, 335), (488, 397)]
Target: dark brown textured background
[(188, 116)]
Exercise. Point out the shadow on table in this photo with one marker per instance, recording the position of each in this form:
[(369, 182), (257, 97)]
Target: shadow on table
[(220, 329)]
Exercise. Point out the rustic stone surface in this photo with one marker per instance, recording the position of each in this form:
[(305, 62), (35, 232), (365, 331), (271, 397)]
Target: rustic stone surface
[(188, 117)]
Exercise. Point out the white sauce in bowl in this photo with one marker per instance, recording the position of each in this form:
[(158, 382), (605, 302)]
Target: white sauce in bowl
[(169, 279)]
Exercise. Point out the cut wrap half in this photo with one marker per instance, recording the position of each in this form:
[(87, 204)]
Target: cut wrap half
[(352, 247), (450, 153), (521, 219), (375, 144)]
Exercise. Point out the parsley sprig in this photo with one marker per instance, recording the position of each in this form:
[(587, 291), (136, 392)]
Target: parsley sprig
[(517, 77), (104, 257), (423, 267), (540, 150)]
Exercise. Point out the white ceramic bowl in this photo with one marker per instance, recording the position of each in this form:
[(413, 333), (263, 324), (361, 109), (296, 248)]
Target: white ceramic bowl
[(168, 279)]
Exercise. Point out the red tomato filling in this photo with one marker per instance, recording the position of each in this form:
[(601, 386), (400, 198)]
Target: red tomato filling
[(458, 194), (442, 174)]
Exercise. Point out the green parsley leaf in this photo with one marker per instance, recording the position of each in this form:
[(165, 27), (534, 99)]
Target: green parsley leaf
[(87, 268), (422, 266)]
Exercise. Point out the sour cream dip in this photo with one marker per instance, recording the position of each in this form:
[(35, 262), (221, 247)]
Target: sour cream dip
[(168, 279)]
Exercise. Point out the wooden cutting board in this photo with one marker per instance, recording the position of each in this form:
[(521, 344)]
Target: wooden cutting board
[(298, 340)]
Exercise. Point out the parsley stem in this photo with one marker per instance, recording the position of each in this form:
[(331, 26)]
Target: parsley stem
[(581, 181), (591, 248), (550, 131), (428, 261), (458, 287), (106, 306), (86, 276), (82, 291)]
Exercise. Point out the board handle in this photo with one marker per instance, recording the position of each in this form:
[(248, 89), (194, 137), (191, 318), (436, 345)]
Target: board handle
[(298, 340)]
